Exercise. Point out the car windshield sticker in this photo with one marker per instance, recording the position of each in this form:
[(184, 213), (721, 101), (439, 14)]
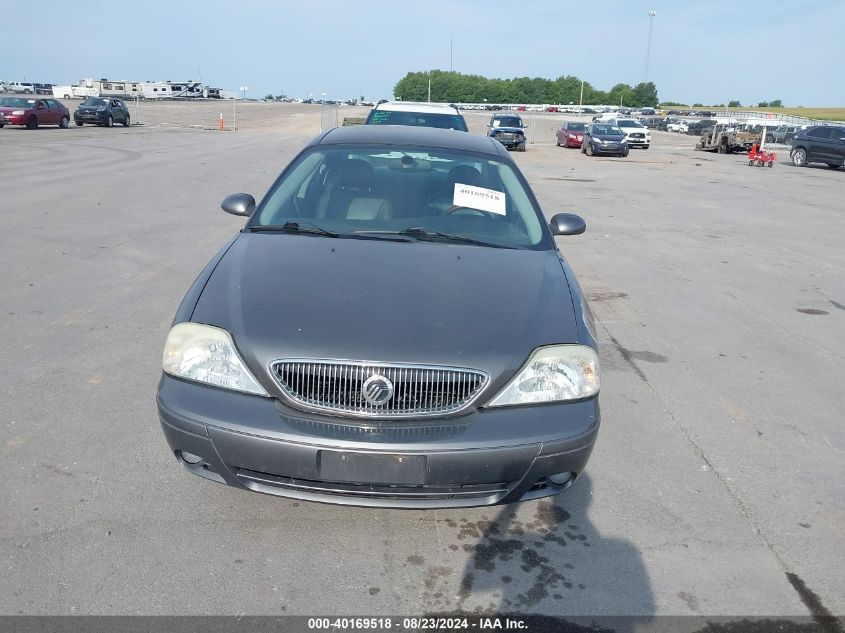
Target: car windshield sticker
[(381, 116), (479, 198)]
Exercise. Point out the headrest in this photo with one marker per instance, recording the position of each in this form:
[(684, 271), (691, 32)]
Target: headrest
[(354, 173), (465, 175)]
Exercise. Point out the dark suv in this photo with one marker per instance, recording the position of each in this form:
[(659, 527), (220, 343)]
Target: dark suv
[(509, 130), (102, 111), (823, 144)]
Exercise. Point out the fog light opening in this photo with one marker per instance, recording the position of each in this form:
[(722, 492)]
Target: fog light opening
[(189, 458), (560, 479)]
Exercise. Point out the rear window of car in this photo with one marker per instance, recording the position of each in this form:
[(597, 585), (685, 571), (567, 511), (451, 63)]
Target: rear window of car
[(576, 127), (423, 119)]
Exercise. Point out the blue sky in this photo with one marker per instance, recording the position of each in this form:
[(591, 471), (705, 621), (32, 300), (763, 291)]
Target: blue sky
[(701, 51)]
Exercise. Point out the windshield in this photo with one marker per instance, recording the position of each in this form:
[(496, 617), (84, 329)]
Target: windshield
[(366, 191), (576, 127), (16, 102), (95, 101), (507, 121), (424, 119), (607, 129), (629, 123)]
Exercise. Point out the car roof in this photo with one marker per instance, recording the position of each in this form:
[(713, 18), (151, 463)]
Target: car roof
[(411, 135), (412, 106)]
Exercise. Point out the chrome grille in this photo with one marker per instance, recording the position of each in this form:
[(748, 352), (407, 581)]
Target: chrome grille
[(418, 390)]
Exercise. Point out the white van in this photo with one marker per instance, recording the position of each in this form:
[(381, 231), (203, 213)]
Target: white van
[(20, 88)]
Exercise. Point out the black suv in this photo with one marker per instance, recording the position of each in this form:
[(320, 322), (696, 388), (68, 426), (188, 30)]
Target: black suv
[(823, 144), (509, 130), (102, 111), (700, 127)]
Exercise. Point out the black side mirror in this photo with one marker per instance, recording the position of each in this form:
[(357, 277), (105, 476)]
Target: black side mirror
[(567, 224), (239, 204)]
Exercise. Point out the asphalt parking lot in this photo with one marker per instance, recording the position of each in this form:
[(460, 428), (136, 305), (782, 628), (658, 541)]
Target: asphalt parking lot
[(716, 486)]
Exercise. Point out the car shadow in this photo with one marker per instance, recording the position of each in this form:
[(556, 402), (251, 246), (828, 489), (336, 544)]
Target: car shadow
[(547, 558)]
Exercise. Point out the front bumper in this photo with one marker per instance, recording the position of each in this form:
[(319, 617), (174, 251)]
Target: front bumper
[(510, 143), (13, 119), (90, 117), (638, 142), (574, 142), (486, 457), (609, 149)]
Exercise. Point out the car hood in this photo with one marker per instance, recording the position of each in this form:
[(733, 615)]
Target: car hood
[(85, 108), (296, 296), (609, 137), (505, 128)]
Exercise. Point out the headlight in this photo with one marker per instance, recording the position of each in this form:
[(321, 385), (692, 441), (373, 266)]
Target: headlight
[(572, 136), (207, 354), (101, 109), (598, 140), (18, 112), (554, 373)]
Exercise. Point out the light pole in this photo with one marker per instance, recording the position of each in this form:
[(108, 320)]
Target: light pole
[(581, 100), (243, 90), (651, 15)]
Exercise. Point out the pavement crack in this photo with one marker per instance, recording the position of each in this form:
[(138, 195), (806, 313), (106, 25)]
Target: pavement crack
[(811, 600)]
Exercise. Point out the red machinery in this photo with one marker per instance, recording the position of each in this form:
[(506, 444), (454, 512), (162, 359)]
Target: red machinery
[(761, 157)]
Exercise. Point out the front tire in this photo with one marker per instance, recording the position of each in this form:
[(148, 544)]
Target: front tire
[(799, 157), (64, 123), (78, 123), (126, 121), (589, 150), (32, 122), (625, 153), (110, 121), (833, 166)]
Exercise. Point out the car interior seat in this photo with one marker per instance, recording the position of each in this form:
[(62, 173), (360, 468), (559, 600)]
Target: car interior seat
[(349, 194), (441, 201)]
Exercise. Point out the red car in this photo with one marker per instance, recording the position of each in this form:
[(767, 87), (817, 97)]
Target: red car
[(33, 112), (571, 134), (552, 109)]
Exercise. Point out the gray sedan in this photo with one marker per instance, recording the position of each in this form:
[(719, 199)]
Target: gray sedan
[(393, 326)]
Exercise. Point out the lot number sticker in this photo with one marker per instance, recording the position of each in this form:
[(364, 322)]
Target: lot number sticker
[(479, 198)]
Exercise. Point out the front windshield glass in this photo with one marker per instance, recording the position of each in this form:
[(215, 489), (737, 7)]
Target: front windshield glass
[(95, 101), (576, 127), (16, 102), (424, 119), (507, 121), (361, 190), (607, 129), (629, 123)]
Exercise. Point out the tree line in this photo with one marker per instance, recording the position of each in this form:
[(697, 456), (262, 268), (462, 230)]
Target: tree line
[(454, 87)]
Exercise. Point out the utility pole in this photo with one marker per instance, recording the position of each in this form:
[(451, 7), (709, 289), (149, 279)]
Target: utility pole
[(651, 15), (581, 100), (451, 68), (429, 86)]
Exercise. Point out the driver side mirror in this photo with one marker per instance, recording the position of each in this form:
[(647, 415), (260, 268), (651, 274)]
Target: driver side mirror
[(239, 204), (567, 224)]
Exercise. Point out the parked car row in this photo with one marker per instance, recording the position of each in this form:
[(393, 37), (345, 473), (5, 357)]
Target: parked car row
[(33, 113)]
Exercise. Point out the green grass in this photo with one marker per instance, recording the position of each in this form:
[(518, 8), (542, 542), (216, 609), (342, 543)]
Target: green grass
[(835, 114)]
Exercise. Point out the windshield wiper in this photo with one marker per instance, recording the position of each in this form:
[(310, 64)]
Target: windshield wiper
[(293, 227), (426, 234)]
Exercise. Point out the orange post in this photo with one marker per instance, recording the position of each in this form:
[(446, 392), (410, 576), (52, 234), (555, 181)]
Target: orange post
[(221, 120)]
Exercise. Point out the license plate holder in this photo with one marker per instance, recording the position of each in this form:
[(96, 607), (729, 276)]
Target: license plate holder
[(372, 468)]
